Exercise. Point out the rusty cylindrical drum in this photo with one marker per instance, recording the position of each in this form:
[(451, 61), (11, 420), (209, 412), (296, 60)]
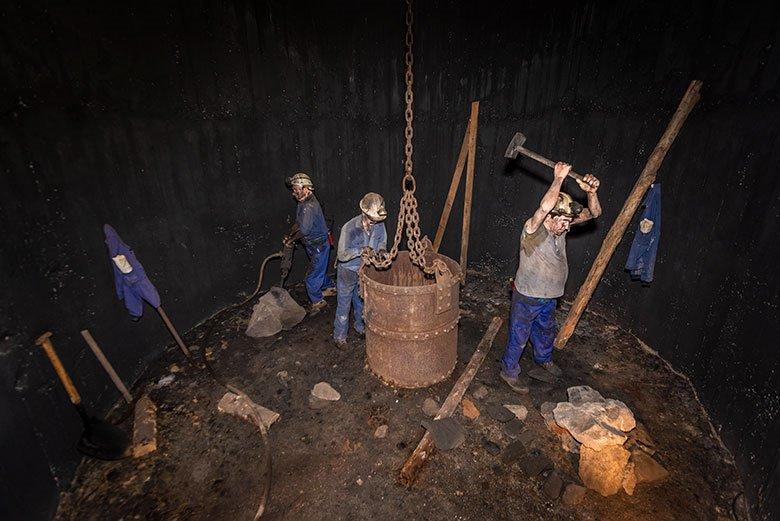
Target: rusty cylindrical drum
[(411, 322)]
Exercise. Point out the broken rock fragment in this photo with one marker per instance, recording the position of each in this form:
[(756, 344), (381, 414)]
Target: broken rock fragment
[(584, 424), (324, 391), (603, 470), (581, 394), (646, 468), (381, 431), (430, 407), (573, 494), (519, 411), (470, 410)]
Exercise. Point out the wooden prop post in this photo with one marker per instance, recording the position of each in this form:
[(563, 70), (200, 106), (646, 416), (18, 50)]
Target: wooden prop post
[(426, 447), (174, 333), (615, 234), (106, 365), (466, 158)]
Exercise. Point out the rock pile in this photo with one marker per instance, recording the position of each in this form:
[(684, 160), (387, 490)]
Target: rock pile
[(598, 428)]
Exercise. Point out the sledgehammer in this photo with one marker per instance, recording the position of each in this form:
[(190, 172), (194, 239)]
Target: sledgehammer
[(516, 147)]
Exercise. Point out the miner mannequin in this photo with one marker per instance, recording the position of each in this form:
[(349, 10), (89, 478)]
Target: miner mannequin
[(310, 228), (363, 231), (541, 275)]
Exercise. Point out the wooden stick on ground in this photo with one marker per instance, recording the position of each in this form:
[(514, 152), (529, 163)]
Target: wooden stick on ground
[(469, 189), (425, 448), (106, 365), (456, 175), (611, 241)]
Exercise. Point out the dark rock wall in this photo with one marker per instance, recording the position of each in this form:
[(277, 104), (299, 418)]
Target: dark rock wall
[(177, 123)]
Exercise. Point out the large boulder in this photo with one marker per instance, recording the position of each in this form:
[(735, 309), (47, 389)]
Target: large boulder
[(581, 394), (585, 425), (274, 311), (603, 470)]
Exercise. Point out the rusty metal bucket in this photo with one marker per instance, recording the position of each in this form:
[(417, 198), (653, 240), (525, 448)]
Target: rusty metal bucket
[(411, 322)]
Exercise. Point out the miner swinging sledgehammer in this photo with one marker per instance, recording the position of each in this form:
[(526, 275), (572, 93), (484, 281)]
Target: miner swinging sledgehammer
[(542, 272)]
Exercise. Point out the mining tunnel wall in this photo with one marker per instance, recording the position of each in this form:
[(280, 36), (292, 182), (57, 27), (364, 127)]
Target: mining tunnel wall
[(177, 124)]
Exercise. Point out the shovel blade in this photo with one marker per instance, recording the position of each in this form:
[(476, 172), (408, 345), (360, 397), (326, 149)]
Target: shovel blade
[(102, 440)]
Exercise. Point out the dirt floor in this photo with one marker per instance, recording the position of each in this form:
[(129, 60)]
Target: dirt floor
[(328, 464)]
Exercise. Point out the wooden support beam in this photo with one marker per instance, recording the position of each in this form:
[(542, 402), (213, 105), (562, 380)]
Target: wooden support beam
[(469, 189), (456, 175), (106, 365), (615, 234), (425, 448)]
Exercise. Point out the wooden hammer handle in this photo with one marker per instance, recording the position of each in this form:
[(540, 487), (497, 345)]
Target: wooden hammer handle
[(48, 348), (543, 160)]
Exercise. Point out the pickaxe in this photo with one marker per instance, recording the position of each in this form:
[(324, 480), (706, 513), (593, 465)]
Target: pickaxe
[(516, 147)]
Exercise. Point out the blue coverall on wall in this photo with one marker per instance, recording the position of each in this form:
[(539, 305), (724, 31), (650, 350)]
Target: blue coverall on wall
[(314, 232), (352, 240), (133, 287)]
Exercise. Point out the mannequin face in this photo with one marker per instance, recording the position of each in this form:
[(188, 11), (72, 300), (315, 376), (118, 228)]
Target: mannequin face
[(301, 193), (557, 225)]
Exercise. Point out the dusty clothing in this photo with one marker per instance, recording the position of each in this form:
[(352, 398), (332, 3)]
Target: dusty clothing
[(543, 266), (354, 238), (311, 222)]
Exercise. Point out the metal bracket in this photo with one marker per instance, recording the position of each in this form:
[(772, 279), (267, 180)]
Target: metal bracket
[(443, 288)]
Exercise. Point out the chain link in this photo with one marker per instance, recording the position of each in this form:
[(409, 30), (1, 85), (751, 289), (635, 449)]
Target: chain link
[(408, 215)]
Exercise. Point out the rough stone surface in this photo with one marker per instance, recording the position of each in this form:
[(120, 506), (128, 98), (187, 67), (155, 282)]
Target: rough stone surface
[(519, 411), (647, 469), (513, 452), (581, 394), (470, 410), (380, 431), (582, 422), (617, 415), (324, 391), (640, 435), (490, 446), (430, 407), (499, 413), (603, 471), (535, 463), (513, 428), (568, 443), (274, 311), (480, 392), (553, 485), (629, 478), (573, 494)]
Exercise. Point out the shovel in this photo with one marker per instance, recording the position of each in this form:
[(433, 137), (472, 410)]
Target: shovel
[(100, 439)]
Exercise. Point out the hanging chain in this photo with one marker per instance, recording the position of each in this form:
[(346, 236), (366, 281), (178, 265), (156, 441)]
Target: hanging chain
[(407, 214)]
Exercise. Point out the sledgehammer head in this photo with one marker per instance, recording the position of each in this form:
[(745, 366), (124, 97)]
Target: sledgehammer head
[(514, 146)]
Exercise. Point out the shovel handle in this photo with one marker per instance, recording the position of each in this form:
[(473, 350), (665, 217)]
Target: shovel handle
[(543, 160), (106, 365), (48, 348)]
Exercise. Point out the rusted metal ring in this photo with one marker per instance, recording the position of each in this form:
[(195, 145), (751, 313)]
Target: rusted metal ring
[(414, 335)]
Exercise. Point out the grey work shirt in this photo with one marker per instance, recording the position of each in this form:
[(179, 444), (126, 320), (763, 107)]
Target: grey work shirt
[(543, 266)]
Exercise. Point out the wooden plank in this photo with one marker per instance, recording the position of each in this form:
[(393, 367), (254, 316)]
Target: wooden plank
[(425, 448), (456, 175), (615, 234), (106, 365), (469, 189)]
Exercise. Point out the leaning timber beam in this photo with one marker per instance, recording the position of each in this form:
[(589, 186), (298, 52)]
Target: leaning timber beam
[(425, 448)]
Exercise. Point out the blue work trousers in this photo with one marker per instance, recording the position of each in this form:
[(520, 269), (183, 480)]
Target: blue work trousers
[(317, 277), (532, 318), (348, 291)]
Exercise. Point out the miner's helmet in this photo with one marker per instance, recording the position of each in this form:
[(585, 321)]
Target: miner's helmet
[(301, 180), (566, 206), (373, 206)]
